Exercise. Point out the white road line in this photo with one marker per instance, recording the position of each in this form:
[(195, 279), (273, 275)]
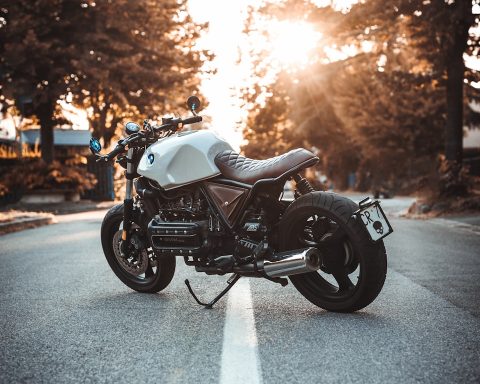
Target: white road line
[(240, 362)]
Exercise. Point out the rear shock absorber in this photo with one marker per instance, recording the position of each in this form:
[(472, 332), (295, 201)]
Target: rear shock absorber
[(303, 186)]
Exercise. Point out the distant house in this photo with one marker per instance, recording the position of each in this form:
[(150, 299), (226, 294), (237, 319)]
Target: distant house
[(471, 150), (70, 139), (7, 130), (62, 137), (68, 142)]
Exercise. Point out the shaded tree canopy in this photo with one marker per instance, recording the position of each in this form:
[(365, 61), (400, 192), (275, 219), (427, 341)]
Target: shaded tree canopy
[(118, 58), (389, 109)]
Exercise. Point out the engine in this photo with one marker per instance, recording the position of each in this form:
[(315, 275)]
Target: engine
[(251, 235), (185, 226), (183, 239)]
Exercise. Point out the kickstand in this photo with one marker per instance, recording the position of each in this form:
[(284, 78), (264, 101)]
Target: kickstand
[(231, 282)]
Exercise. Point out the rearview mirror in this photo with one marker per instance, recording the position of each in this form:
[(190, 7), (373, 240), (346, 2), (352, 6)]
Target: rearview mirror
[(132, 127), (193, 103), (95, 146)]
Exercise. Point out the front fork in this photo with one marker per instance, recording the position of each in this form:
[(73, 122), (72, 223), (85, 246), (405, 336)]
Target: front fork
[(128, 202)]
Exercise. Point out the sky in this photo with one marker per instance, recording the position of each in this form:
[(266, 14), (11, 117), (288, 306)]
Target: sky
[(224, 36)]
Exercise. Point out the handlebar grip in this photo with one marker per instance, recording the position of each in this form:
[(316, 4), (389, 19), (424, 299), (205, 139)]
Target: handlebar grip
[(192, 120), (117, 150)]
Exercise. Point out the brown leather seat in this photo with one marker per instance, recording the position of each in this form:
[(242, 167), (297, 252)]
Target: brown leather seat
[(240, 168)]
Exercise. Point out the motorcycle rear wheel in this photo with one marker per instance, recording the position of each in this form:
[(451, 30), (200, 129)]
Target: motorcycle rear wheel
[(325, 220), (154, 279)]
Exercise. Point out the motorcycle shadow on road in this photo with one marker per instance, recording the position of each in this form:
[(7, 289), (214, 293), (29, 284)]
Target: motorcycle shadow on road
[(289, 310), (292, 313)]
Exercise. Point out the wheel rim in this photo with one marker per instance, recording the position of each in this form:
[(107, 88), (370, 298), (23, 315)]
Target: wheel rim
[(340, 273), (140, 266)]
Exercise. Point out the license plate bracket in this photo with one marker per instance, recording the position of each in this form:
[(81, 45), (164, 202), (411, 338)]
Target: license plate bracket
[(374, 219)]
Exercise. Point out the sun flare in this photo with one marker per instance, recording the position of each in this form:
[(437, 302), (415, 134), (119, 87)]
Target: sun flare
[(292, 43), (286, 45)]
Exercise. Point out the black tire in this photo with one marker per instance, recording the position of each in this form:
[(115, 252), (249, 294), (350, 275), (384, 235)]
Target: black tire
[(165, 265), (369, 257)]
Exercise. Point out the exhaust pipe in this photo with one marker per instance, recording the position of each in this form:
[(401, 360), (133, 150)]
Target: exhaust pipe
[(292, 262)]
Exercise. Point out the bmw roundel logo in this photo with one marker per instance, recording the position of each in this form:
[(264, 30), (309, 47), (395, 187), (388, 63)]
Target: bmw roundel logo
[(150, 158)]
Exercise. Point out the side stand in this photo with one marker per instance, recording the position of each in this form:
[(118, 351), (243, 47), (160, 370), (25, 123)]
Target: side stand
[(231, 282)]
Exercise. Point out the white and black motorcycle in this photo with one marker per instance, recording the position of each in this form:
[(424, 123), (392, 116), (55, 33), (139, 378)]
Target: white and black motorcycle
[(190, 195)]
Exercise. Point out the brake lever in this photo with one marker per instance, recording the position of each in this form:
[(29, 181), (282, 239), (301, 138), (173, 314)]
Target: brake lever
[(102, 158), (120, 159)]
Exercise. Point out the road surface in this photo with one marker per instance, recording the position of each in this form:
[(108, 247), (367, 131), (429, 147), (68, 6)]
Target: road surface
[(65, 317)]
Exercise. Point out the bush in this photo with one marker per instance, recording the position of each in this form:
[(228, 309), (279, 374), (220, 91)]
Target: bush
[(454, 178), (35, 174)]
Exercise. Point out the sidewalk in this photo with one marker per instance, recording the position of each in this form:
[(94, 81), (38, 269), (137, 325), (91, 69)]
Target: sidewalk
[(16, 217)]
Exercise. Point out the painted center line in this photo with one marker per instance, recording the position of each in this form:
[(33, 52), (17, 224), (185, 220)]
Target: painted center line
[(240, 362)]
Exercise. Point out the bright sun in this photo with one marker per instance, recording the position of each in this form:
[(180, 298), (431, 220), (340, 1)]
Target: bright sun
[(287, 45), (292, 43)]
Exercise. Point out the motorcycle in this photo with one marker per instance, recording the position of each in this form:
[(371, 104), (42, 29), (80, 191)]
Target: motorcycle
[(190, 195)]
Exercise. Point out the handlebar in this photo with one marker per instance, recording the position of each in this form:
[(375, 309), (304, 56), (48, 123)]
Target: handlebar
[(192, 120), (175, 123), (172, 124), (119, 148)]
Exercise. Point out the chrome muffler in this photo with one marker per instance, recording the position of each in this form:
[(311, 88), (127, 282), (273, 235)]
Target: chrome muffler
[(291, 262)]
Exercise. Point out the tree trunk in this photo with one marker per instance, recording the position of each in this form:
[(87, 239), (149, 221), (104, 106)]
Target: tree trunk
[(45, 115), (455, 78), (454, 126)]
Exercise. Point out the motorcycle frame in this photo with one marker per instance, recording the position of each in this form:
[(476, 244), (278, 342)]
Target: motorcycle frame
[(134, 154), (253, 190)]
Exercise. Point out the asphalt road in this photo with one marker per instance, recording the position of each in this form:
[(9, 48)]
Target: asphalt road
[(65, 317)]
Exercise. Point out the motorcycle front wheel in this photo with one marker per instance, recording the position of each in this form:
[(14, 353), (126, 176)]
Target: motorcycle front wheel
[(140, 269), (353, 268)]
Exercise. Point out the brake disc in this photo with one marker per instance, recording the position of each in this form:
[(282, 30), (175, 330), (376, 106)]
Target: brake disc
[(135, 265)]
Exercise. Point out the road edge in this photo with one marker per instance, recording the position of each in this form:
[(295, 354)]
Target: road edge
[(26, 223)]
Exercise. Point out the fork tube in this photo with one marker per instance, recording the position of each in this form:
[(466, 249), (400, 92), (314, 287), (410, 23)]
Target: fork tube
[(129, 174), (128, 202)]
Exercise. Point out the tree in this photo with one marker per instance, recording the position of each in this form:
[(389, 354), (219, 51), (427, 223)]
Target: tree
[(117, 59), (138, 60), (389, 103), (38, 41), (269, 124), (438, 32)]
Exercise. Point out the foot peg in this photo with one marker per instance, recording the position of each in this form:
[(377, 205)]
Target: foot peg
[(231, 282)]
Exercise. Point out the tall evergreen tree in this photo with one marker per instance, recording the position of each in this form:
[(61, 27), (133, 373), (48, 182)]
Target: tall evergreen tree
[(37, 44), (137, 60), (116, 58), (394, 104)]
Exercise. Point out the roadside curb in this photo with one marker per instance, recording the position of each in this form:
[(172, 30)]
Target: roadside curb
[(26, 223)]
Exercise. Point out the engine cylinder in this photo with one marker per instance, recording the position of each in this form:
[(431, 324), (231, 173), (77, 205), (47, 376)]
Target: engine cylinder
[(177, 238)]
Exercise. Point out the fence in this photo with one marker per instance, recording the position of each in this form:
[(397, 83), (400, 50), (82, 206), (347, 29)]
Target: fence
[(104, 190)]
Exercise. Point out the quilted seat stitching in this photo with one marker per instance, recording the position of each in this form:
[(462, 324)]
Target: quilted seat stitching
[(242, 163)]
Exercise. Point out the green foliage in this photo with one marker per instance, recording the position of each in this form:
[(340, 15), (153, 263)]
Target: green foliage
[(399, 134), (35, 174), (137, 59), (119, 59), (269, 124), (453, 178), (37, 41), (384, 113)]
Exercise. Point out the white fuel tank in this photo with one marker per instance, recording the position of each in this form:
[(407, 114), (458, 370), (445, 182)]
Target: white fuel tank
[(183, 158)]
